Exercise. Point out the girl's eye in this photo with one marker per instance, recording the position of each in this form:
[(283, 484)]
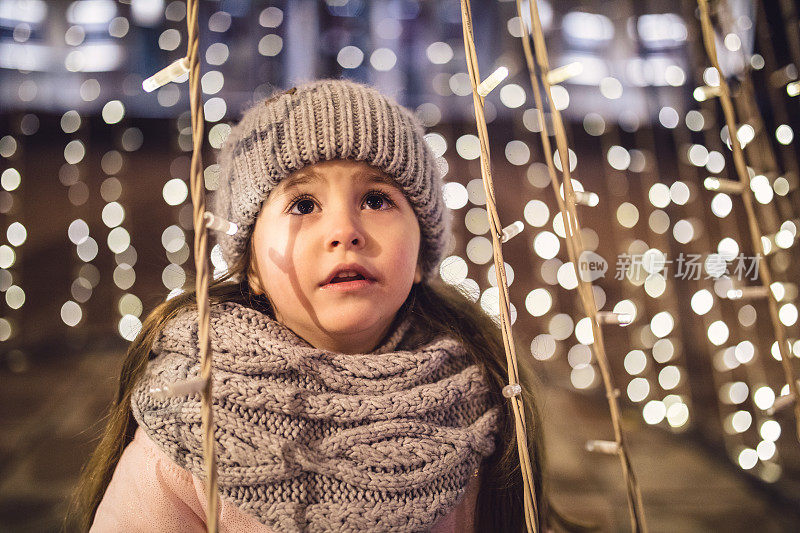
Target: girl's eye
[(374, 198), (383, 198), (303, 201)]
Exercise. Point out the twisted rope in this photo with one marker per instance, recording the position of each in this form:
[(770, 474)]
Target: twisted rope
[(197, 187)]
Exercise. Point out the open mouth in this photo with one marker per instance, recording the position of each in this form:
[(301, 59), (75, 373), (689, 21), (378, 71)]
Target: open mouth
[(350, 283), (339, 279)]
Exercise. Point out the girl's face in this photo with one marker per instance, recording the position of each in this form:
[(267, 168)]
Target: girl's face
[(319, 217)]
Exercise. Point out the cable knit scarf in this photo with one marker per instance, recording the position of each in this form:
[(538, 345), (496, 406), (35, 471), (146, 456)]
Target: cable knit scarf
[(313, 440)]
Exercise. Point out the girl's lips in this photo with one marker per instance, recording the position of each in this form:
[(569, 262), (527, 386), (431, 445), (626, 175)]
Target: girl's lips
[(347, 286)]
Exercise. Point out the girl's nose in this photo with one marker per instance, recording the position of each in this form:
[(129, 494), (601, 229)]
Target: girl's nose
[(345, 230), (355, 242)]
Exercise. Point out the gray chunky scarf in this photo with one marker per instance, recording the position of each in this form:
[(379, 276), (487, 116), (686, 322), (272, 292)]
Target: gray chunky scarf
[(312, 440)]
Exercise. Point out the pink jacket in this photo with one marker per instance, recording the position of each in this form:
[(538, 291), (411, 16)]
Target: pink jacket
[(151, 493)]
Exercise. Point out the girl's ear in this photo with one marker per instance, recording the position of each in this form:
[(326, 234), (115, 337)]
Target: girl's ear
[(418, 274)]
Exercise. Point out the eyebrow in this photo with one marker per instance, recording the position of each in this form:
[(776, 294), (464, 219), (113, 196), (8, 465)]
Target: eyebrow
[(310, 176)]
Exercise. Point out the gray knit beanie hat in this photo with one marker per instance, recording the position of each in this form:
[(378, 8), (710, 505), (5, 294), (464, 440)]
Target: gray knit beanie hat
[(322, 120)]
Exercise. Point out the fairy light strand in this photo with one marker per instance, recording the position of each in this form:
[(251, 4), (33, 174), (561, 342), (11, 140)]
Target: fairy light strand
[(575, 244), (747, 199), (512, 390), (763, 157), (721, 373), (197, 185)]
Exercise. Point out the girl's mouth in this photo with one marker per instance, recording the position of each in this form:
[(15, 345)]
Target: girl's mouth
[(347, 286)]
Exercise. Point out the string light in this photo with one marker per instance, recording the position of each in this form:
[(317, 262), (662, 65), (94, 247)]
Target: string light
[(608, 447), (781, 403), (219, 224), (166, 75), (546, 245), (723, 185), (509, 391), (564, 73), (748, 293), (703, 93), (566, 200), (608, 317), (588, 199), (479, 90), (763, 194), (494, 79), (509, 232)]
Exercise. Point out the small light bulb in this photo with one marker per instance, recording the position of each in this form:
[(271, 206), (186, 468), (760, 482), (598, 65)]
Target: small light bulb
[(166, 75), (492, 81)]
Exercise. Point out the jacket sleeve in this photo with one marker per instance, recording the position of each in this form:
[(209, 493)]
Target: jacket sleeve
[(149, 493)]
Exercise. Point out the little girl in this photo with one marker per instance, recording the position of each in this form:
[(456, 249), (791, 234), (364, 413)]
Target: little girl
[(353, 389)]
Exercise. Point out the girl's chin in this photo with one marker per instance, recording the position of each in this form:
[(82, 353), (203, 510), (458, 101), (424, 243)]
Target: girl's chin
[(350, 321)]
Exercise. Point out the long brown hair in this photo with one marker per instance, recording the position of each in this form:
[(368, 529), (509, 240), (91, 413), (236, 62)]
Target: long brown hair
[(444, 308)]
